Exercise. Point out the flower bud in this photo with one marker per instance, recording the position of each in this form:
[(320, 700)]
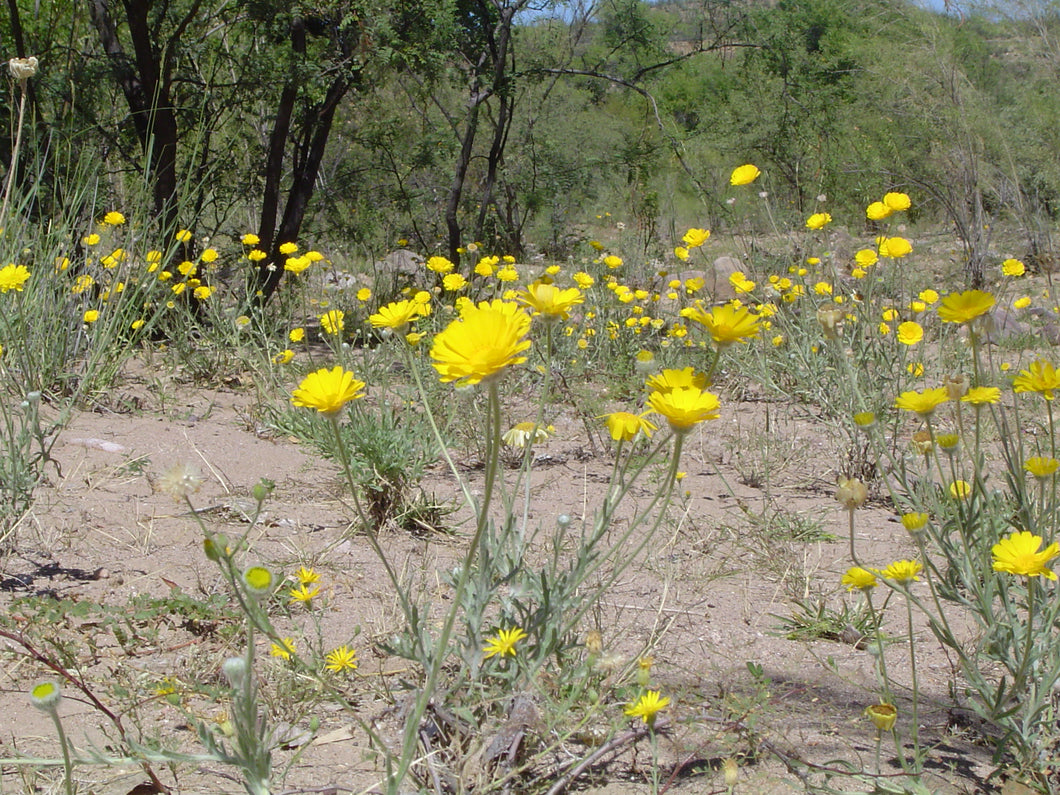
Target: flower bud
[(45, 696), (235, 671)]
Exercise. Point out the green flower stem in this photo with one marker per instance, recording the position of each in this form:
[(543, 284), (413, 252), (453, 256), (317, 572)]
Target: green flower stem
[(13, 166), (68, 765), (1028, 646), (409, 749), (913, 675), (886, 682)]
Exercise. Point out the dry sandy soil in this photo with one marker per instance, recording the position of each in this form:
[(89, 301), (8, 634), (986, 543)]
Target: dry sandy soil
[(704, 601)]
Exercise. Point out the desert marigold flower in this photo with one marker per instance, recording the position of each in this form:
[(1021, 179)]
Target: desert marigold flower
[(91, 316), (13, 277), (866, 258), (965, 307), (1041, 466), (726, 324), (818, 221), (670, 379), (525, 433), (250, 239), (624, 426), (328, 391), (114, 218), (681, 253), (923, 403), (439, 265), (1013, 267), (341, 659), (482, 342), (284, 649), (685, 407), (858, 578), (1018, 554), (897, 201), (583, 280), (259, 581), (398, 314), (288, 248), (883, 716), (296, 264), (877, 211), (744, 175), (612, 261), (1022, 302), (182, 235), (1040, 377), (903, 571), (509, 273), (202, 292), (910, 332), (895, 247), (960, 489), (928, 296), (914, 522), (647, 707), (257, 255), (694, 238), (503, 643), (865, 419), (333, 321), (980, 395), (453, 282), (552, 302)]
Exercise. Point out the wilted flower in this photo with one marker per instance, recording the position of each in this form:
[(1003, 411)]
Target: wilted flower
[(23, 68), (180, 481), (525, 433), (883, 716), (851, 493)]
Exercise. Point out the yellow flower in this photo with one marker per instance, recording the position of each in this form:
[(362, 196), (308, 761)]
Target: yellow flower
[(398, 314), (333, 322), (612, 261), (288, 248), (482, 342), (283, 357), (864, 419), (978, 395), (726, 324), (744, 175), (648, 705), (484, 267), (914, 522), (91, 316), (182, 236), (897, 201), (965, 307), (624, 426), (1041, 377), (551, 301), (1041, 466), (923, 403), (284, 649), (866, 258), (296, 264), (306, 576), (439, 265), (296, 335), (303, 593), (1022, 302), (877, 211), (202, 292), (960, 489), (208, 255), (583, 280), (256, 255), (857, 577), (910, 333), (681, 253), (250, 239), (694, 238), (503, 643), (818, 221), (928, 296), (902, 571), (685, 407), (669, 380), (1018, 554), (327, 391), (91, 240), (113, 218), (13, 277), (508, 274), (524, 433), (1013, 267), (364, 294), (453, 282), (895, 247), (341, 659)]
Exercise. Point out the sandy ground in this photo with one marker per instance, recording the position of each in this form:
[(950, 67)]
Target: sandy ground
[(704, 602)]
